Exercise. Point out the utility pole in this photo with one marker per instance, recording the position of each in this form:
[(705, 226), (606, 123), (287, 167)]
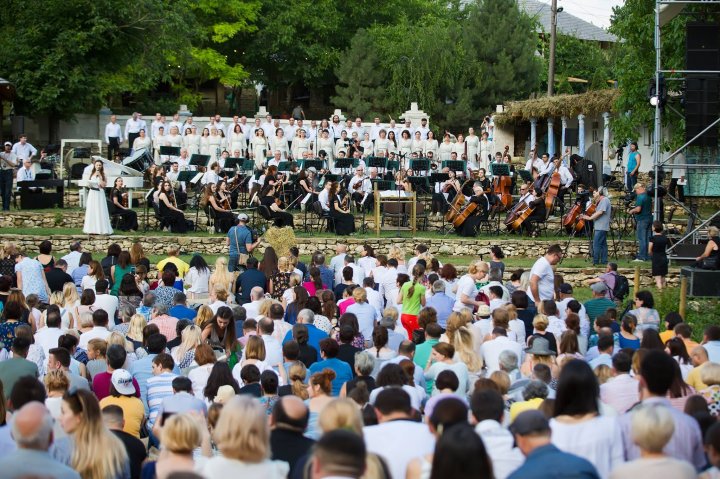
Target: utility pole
[(553, 38)]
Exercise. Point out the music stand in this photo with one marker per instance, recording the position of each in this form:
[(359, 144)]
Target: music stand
[(248, 164), (393, 165), (525, 175), (170, 151), (500, 169), (420, 164), (186, 176), (454, 165), (317, 164), (377, 162), (439, 177), (233, 162), (343, 163), (383, 185), (420, 183), (199, 160)]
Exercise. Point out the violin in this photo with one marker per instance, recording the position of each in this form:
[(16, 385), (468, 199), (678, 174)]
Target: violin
[(124, 199)]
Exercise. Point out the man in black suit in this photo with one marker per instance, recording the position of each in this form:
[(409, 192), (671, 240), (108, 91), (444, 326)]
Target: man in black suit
[(57, 276), (288, 422)]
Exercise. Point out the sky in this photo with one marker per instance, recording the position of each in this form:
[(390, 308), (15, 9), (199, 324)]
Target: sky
[(596, 12)]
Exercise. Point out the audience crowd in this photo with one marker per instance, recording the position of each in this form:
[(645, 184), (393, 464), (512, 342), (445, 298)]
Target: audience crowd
[(363, 365)]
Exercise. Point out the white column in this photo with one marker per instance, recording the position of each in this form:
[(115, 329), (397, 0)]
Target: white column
[(551, 137), (581, 134), (606, 135), (533, 132), (564, 121)]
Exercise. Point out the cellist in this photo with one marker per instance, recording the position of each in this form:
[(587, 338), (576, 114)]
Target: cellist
[(566, 179), (536, 201), (469, 227)]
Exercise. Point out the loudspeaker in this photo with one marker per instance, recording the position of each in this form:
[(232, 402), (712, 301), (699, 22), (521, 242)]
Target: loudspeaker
[(702, 91), (702, 46), (571, 137), (702, 283)]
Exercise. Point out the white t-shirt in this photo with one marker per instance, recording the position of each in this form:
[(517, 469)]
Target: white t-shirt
[(546, 286), (399, 442), (599, 440), (466, 286)]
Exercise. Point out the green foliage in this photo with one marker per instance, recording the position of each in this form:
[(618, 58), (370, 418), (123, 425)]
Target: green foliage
[(581, 59), (634, 23)]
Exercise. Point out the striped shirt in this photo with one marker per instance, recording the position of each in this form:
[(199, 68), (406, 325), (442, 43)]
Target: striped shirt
[(158, 388)]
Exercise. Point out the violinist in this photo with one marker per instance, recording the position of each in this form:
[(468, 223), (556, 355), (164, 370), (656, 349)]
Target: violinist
[(469, 227), (340, 212), (169, 211), (487, 186), (359, 185), (308, 186), (179, 186), (536, 201), (119, 206), (268, 197), (506, 158), (212, 175), (601, 225), (218, 199)]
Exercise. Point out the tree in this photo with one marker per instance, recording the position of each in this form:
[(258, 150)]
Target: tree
[(634, 24), (580, 59), (501, 43), (66, 57)]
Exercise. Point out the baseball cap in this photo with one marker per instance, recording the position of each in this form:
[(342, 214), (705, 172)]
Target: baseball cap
[(483, 311), (530, 422), (566, 288), (123, 382), (7, 143), (242, 217), (599, 288)]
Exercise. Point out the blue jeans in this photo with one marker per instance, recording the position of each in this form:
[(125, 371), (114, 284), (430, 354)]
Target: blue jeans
[(600, 248), (631, 180), (643, 237), (232, 263)]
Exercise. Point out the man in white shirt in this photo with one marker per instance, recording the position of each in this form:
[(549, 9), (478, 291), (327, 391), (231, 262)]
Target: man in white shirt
[(491, 349), (73, 257), (337, 263), (113, 137), (268, 127), (374, 297), (324, 197), (488, 411), (423, 129), (290, 130), (622, 390), (397, 438), (358, 271), (252, 309), (26, 173), (495, 279), (104, 301), (177, 123), (406, 350), (407, 126), (273, 348), (566, 295), (375, 129), (132, 128), (47, 337), (99, 330), (419, 249), (24, 150), (542, 276), (359, 129), (253, 129), (533, 161)]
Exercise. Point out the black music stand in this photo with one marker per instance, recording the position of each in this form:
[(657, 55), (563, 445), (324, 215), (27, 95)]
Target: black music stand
[(170, 151), (420, 183), (383, 185), (525, 175), (199, 160), (343, 163), (284, 166), (317, 164), (454, 165), (420, 164), (233, 162), (393, 165), (377, 162), (500, 169), (248, 164), (186, 176), (439, 177)]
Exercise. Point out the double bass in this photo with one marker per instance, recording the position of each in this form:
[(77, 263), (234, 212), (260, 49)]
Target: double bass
[(502, 185), (552, 189)]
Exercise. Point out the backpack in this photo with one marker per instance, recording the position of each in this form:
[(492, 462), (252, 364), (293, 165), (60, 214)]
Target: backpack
[(622, 287)]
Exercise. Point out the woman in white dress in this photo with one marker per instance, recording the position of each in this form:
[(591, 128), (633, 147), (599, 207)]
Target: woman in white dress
[(97, 218), (205, 142), (392, 142), (431, 144), (326, 144), (280, 143), (418, 144), (159, 140), (142, 142), (258, 148), (300, 145), (445, 148), (473, 147), (191, 141), (237, 140), (367, 145), (459, 146), (215, 144), (405, 146), (382, 144)]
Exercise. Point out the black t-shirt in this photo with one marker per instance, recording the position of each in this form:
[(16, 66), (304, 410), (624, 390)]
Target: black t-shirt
[(253, 390), (56, 279), (135, 450), (249, 279)]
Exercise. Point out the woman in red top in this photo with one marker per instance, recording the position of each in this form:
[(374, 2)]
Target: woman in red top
[(315, 284)]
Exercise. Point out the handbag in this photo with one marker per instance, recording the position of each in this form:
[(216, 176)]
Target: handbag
[(711, 262), (242, 257)]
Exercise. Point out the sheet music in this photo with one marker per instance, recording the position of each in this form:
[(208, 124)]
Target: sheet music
[(394, 194), (365, 197), (306, 199)]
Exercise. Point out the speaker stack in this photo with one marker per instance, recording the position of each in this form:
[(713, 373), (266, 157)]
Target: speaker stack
[(702, 90)]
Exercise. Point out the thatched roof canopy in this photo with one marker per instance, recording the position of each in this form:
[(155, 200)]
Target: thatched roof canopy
[(590, 103)]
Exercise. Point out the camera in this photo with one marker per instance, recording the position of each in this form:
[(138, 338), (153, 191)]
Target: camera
[(629, 198), (255, 234)]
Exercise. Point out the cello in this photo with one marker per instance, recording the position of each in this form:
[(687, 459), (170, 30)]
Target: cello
[(580, 224), (551, 192), (502, 185), (457, 203), (468, 211)]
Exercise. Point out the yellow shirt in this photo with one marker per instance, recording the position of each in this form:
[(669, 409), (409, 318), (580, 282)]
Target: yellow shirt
[(133, 412), (665, 336), (522, 406), (694, 380), (182, 266)]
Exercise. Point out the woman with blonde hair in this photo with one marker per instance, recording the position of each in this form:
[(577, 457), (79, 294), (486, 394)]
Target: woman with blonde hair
[(397, 254), (280, 281), (7, 262), (515, 325), (296, 374), (117, 338), (221, 276), (180, 436), (184, 355), (465, 353), (56, 383), (95, 452), (204, 316), (135, 331), (243, 438), (254, 354), (71, 300)]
